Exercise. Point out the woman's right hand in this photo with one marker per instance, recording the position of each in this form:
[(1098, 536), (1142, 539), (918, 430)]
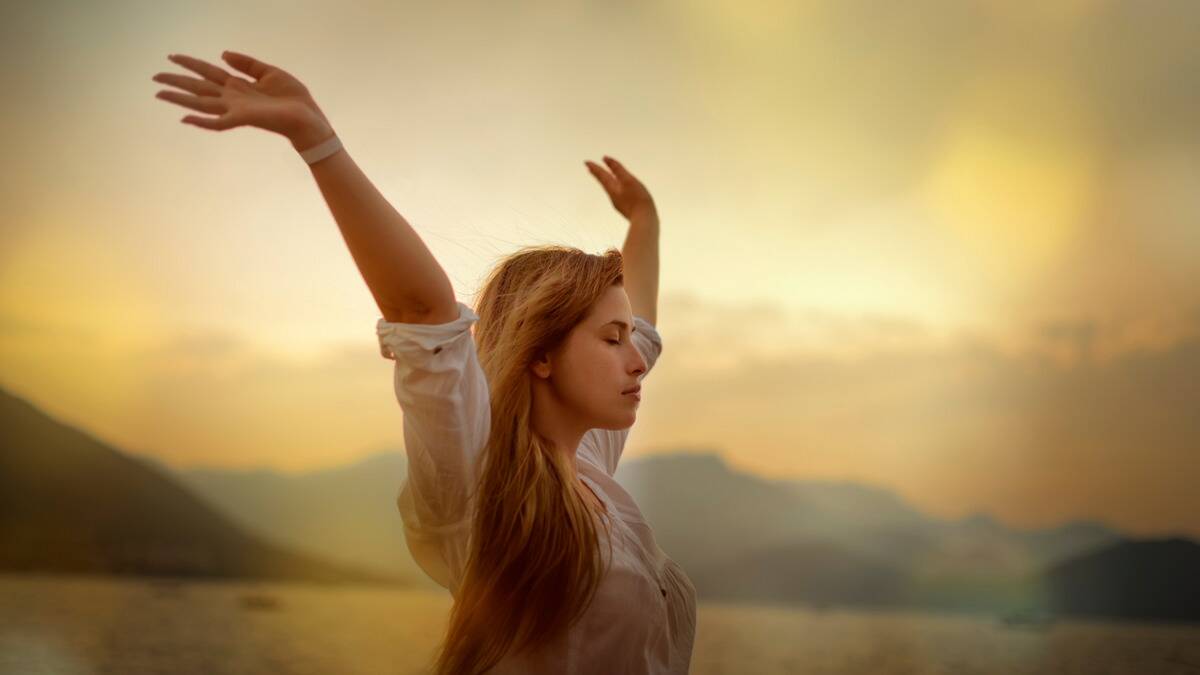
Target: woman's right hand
[(274, 100)]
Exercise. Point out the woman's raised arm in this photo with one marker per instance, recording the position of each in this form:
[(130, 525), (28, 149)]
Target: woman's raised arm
[(405, 279), (640, 252)]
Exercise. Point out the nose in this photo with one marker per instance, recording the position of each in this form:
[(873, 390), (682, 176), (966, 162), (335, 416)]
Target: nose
[(639, 362)]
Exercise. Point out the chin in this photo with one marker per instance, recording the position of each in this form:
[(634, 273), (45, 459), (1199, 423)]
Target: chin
[(620, 422), (631, 418)]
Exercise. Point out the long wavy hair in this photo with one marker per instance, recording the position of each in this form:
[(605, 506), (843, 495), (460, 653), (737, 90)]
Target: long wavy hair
[(533, 564)]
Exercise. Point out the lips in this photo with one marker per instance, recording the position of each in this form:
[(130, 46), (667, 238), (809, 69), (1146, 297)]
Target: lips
[(633, 390)]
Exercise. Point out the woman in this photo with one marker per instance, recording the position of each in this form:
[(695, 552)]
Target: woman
[(512, 435)]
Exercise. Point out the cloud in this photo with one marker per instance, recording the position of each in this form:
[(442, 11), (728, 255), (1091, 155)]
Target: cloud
[(955, 425), (1055, 430)]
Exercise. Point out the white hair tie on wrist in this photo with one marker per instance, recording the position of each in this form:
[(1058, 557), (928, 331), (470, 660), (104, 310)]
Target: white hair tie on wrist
[(322, 150)]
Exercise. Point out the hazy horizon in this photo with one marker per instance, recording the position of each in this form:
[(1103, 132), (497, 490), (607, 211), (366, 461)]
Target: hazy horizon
[(949, 250)]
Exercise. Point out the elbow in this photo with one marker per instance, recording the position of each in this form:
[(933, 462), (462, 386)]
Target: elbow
[(444, 311)]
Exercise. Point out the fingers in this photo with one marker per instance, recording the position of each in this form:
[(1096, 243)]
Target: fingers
[(610, 183), (247, 64), (619, 169), (192, 84), (215, 123), (206, 104), (203, 68)]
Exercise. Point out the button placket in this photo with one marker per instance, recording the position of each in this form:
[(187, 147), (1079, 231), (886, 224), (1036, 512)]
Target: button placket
[(636, 541), (650, 565)]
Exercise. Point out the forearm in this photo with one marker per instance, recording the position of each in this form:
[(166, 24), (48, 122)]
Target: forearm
[(640, 254), (405, 279)]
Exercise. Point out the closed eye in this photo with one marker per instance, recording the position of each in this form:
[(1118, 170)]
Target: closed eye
[(613, 342)]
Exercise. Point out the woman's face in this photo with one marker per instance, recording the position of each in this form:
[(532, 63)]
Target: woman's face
[(598, 362)]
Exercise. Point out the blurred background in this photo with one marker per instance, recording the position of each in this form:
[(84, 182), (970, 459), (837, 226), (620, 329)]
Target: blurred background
[(930, 303)]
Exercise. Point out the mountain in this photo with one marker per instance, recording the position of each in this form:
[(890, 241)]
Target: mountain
[(778, 540), (745, 538), (689, 495), (70, 503), (816, 572), (1148, 579), (347, 514)]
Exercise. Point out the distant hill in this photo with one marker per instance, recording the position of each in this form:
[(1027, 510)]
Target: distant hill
[(1151, 579), (347, 514), (70, 503), (816, 542), (815, 572), (753, 514)]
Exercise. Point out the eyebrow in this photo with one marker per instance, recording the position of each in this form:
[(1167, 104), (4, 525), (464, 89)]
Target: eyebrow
[(622, 324)]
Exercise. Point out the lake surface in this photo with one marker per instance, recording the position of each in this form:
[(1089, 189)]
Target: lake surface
[(78, 625)]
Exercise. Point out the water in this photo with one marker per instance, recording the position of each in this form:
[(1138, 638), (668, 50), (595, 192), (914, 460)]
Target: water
[(99, 625)]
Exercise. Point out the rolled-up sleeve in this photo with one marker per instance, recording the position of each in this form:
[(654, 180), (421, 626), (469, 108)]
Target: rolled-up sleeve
[(606, 445), (443, 395)]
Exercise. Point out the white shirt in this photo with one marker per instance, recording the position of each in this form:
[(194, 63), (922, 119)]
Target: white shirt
[(642, 619)]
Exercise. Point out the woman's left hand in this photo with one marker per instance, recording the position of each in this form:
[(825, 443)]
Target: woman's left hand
[(628, 195)]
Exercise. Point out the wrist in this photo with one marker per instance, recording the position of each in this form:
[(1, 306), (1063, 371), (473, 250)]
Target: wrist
[(644, 217), (310, 133)]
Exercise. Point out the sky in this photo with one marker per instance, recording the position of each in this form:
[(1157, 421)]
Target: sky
[(948, 248)]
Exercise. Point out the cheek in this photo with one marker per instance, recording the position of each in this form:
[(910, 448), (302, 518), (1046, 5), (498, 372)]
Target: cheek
[(592, 373)]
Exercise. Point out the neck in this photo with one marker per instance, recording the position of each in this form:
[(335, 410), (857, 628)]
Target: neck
[(554, 422)]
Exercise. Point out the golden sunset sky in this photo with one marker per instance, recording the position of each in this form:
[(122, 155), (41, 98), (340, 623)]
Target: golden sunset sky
[(948, 248)]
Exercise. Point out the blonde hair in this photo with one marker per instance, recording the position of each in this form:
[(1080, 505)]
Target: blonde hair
[(533, 564)]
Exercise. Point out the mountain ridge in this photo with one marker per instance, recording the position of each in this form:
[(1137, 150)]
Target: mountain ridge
[(69, 503)]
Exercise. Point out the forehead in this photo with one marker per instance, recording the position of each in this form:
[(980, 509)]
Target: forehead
[(614, 304)]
